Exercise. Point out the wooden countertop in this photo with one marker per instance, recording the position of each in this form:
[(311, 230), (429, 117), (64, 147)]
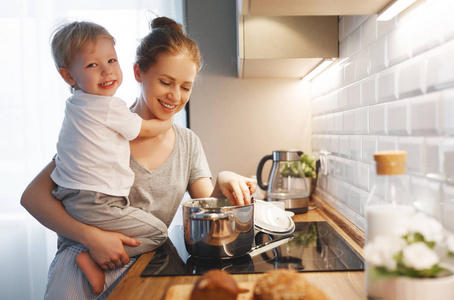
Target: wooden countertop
[(336, 285)]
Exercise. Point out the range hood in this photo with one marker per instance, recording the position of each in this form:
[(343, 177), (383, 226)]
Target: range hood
[(289, 38), (284, 46)]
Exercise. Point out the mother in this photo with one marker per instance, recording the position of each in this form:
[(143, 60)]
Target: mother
[(165, 167)]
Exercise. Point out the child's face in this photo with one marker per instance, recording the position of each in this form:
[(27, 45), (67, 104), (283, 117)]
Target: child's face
[(167, 85), (95, 68)]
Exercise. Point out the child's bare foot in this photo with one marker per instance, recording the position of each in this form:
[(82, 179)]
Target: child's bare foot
[(92, 270)]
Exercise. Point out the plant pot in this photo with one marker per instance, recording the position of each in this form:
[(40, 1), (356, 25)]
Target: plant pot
[(406, 288)]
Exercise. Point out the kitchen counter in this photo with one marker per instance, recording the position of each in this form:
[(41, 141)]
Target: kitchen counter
[(336, 285)]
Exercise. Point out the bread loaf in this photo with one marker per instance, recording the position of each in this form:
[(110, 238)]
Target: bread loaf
[(215, 284), (284, 284)]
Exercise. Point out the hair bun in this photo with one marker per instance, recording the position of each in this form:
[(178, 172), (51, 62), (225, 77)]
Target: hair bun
[(164, 22)]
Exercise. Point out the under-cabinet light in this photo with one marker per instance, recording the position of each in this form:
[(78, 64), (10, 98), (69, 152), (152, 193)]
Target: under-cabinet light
[(394, 9), (317, 70)]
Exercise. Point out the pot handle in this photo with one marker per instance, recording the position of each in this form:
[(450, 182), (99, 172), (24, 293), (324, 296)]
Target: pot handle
[(259, 172), (209, 216)]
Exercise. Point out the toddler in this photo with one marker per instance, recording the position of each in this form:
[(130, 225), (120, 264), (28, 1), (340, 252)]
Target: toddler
[(92, 162)]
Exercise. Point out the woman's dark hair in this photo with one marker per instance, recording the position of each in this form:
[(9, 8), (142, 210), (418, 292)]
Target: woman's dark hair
[(166, 36)]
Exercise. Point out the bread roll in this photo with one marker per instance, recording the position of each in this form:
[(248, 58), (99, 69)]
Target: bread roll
[(215, 284), (284, 284)]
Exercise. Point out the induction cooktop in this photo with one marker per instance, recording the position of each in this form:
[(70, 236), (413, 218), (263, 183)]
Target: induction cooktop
[(312, 247)]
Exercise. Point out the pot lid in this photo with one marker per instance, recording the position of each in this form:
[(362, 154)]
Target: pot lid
[(271, 218)]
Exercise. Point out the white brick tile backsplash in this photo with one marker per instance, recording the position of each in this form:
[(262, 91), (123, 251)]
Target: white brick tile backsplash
[(349, 121), (354, 147), (368, 32), (362, 65), (394, 90), (349, 71), (415, 154), (362, 120), (378, 55), (338, 122), (411, 78), (334, 149), (447, 218), (426, 196), (354, 42), (377, 119), (398, 117), (362, 176), (343, 146), (369, 91), (355, 200), (350, 171), (440, 67), (343, 98), (448, 112), (398, 48), (387, 143), (433, 154), (369, 147), (385, 27), (387, 85), (425, 114)]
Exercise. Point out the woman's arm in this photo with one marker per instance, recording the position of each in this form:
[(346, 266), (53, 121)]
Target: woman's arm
[(105, 247), (236, 188)]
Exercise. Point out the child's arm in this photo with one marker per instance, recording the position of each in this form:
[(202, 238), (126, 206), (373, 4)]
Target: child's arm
[(154, 127)]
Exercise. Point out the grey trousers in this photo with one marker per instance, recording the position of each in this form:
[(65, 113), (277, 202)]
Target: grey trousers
[(114, 214)]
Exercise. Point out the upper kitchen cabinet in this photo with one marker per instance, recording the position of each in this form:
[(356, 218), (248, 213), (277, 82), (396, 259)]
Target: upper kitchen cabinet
[(311, 7), (284, 46)]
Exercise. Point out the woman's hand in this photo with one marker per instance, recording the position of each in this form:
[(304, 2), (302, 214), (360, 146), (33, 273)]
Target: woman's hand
[(106, 248), (236, 188)]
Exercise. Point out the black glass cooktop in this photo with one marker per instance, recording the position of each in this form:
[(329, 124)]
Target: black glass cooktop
[(313, 247)]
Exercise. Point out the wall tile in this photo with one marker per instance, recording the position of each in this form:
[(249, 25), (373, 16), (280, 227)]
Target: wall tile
[(440, 66), (368, 32), (415, 154), (354, 147), (385, 27), (377, 119), (387, 143), (354, 42), (362, 120), (447, 218), (334, 149), (349, 122), (362, 176), (343, 98), (349, 24), (378, 55), (398, 117), (343, 146), (355, 200), (350, 171), (362, 65), (448, 111), (446, 156), (369, 91), (369, 147), (354, 95), (387, 85), (425, 114), (398, 49), (338, 122), (325, 142), (432, 154), (411, 78), (426, 196), (349, 71)]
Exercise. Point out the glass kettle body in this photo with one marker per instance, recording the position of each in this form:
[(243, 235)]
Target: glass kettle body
[(286, 181)]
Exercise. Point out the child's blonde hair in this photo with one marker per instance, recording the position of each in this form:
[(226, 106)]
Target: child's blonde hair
[(69, 38)]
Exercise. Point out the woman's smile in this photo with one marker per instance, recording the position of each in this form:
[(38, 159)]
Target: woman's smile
[(166, 105)]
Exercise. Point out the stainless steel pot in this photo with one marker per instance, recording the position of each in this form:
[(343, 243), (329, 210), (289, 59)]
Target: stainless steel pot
[(215, 229)]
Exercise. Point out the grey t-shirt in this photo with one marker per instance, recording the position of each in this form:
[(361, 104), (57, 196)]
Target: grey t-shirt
[(161, 190)]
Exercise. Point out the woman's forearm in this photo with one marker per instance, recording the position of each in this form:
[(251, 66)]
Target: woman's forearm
[(38, 200)]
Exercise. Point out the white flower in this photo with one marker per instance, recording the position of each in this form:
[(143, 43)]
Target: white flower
[(381, 252), (419, 257), (428, 227)]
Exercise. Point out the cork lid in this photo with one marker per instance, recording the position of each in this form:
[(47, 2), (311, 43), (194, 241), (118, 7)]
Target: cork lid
[(390, 162)]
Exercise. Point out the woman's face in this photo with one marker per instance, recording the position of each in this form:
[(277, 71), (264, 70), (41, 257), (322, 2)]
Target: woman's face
[(166, 86)]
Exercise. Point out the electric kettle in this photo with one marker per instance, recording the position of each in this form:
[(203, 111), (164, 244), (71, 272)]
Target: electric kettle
[(286, 180)]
